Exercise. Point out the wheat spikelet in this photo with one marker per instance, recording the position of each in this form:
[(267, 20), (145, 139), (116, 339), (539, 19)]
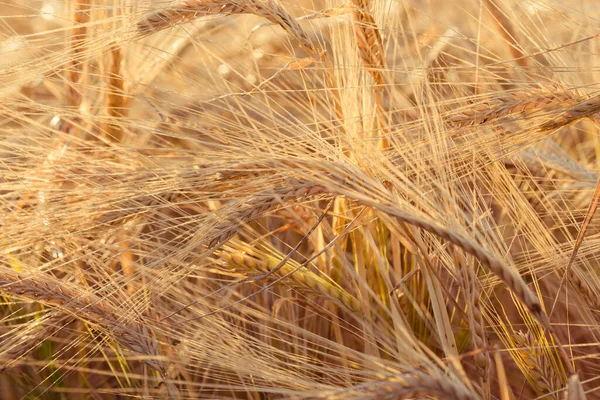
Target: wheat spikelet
[(262, 261)]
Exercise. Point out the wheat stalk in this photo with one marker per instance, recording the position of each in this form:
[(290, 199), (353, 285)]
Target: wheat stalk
[(116, 101), (78, 38), (476, 321)]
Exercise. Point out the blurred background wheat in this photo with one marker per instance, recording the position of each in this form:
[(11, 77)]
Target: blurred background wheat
[(308, 199)]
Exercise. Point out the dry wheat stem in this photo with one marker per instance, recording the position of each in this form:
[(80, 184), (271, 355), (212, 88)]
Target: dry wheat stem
[(507, 30), (78, 38), (476, 321), (116, 102)]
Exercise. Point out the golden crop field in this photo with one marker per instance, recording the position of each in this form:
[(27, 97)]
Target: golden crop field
[(296, 199)]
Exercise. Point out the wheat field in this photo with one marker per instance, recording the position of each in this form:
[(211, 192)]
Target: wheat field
[(264, 199)]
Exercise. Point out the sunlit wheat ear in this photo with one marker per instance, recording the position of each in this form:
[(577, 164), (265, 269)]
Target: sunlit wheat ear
[(540, 368), (511, 103), (190, 10), (259, 205), (260, 260), (570, 115), (372, 54), (132, 335)]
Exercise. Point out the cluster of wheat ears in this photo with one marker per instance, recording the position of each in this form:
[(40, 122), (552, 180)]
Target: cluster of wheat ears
[(307, 199)]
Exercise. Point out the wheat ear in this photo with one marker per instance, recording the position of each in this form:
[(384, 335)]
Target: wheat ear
[(371, 51), (261, 261), (28, 338), (44, 289), (257, 205), (520, 102), (190, 10), (540, 370), (583, 109), (405, 386)]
